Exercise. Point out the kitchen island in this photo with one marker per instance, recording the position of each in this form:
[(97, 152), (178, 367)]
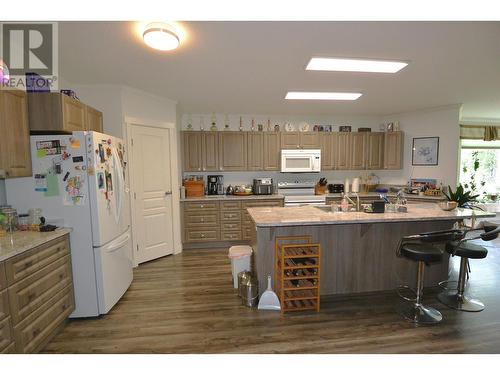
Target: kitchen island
[(358, 250)]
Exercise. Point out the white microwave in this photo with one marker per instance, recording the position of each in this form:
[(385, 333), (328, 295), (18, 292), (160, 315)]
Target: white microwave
[(300, 161)]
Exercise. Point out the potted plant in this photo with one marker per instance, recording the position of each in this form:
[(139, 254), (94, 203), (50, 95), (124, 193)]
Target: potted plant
[(464, 198)]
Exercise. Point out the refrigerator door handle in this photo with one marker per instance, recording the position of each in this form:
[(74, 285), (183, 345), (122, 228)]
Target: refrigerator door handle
[(116, 246), (120, 188)]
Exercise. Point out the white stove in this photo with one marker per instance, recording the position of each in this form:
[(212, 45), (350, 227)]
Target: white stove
[(300, 193)]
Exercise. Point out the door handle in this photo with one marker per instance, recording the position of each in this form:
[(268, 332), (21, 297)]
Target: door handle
[(168, 193)]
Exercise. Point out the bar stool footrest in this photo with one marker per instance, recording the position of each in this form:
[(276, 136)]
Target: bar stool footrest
[(400, 289), (445, 284)]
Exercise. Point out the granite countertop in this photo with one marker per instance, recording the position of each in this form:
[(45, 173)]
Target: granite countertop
[(21, 241), (228, 197), (309, 215)]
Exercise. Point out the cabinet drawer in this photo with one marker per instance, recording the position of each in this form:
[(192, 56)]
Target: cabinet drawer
[(196, 206), (3, 279), (193, 219), (24, 265), (247, 232), (33, 332), (230, 205), (32, 292), (231, 216), (263, 203), (231, 226), (4, 305), (200, 234), (5, 334), (231, 236)]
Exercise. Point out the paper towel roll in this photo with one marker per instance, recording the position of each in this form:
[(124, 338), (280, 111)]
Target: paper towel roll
[(346, 185), (355, 185)]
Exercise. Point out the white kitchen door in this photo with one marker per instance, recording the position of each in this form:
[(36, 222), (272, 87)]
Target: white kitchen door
[(151, 181)]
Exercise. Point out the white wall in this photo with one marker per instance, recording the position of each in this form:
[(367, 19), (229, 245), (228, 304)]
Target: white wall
[(441, 122)]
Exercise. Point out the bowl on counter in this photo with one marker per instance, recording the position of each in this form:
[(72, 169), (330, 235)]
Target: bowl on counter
[(448, 205)]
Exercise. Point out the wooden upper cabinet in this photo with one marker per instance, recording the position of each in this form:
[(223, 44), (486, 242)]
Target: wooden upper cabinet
[(93, 119), (73, 114), (393, 150), (357, 144), (290, 140), (328, 145), (210, 151), (309, 140), (375, 150), (342, 153), (15, 154), (58, 112), (305, 140), (255, 150), (232, 151), (192, 151), (272, 151)]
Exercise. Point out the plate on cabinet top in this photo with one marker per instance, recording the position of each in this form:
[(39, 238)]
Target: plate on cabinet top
[(304, 127), (289, 127)]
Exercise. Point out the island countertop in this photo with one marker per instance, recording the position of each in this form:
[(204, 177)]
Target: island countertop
[(310, 215), (18, 242)]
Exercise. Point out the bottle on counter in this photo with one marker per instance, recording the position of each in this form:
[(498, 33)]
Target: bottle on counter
[(344, 204)]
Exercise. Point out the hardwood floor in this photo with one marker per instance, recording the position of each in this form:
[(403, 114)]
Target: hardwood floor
[(186, 304)]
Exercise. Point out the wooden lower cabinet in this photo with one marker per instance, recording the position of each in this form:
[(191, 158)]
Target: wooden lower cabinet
[(224, 220), (38, 298)]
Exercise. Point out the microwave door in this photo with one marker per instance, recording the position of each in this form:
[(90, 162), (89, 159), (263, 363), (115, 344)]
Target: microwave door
[(298, 163)]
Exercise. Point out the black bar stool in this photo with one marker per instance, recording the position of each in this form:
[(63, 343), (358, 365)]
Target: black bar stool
[(421, 249), (456, 299)]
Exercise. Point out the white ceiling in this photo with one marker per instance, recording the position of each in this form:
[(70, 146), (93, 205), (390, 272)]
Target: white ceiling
[(247, 67)]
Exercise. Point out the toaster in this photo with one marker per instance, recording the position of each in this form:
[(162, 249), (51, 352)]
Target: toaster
[(263, 186)]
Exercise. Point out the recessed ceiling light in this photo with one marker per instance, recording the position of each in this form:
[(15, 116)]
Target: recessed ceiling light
[(355, 65), (306, 95), (161, 36)]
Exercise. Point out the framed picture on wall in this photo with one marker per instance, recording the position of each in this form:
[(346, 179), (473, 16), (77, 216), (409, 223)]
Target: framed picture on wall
[(425, 151)]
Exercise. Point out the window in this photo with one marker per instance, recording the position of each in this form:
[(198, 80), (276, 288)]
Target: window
[(480, 167)]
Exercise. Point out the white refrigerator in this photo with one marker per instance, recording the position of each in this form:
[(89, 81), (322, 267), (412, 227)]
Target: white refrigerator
[(79, 182)]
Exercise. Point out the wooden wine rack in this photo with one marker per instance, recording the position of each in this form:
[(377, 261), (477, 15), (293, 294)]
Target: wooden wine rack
[(297, 273)]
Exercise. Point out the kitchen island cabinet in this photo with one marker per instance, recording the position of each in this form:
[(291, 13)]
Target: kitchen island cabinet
[(358, 249)]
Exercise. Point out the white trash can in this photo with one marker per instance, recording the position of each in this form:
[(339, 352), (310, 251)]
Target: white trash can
[(240, 260)]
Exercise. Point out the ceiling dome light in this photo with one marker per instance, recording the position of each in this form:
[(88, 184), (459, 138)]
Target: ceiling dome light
[(161, 36)]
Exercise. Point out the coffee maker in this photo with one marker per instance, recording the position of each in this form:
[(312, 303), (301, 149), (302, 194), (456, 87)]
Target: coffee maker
[(215, 185)]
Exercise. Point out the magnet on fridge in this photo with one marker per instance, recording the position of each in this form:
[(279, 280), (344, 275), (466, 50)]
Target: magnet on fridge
[(74, 142), (100, 180), (65, 155), (101, 153), (108, 152), (77, 159), (109, 141), (66, 176), (90, 170)]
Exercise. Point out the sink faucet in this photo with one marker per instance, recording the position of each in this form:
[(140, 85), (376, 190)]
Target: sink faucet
[(358, 202)]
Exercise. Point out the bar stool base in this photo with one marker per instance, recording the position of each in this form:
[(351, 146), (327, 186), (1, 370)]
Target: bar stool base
[(451, 299), (420, 314)]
